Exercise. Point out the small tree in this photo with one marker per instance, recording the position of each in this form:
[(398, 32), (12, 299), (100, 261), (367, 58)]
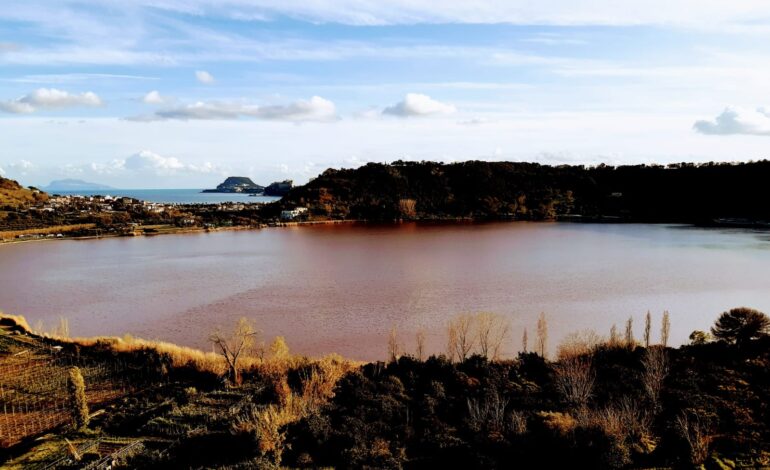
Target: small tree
[(647, 329), (393, 349), (614, 336), (420, 337), (655, 362), (542, 336), (461, 336), (665, 329), (492, 330), (741, 325), (698, 337), (234, 346), (630, 332), (78, 403), (524, 340)]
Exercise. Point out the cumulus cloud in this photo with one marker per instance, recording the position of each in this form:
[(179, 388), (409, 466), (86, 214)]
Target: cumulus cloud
[(735, 120), (154, 97), (2, 172), (416, 104), (314, 109), (204, 77), (151, 162), (48, 98)]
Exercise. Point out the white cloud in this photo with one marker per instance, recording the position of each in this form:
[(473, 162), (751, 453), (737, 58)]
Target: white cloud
[(154, 97), (16, 107), (147, 161), (204, 77), (22, 167), (416, 104), (735, 120), (314, 109), (49, 98), (2, 172)]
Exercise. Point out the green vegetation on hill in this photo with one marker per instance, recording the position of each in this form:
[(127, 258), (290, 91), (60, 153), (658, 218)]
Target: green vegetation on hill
[(684, 193)]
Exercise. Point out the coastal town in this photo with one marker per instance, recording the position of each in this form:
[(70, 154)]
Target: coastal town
[(68, 216)]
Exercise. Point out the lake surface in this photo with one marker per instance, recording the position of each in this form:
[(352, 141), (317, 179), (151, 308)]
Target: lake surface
[(173, 196), (342, 287)]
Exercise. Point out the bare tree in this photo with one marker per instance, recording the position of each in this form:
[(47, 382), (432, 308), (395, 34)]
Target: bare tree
[(665, 329), (461, 336), (492, 330), (451, 346), (614, 337), (420, 336), (655, 362), (237, 344), (393, 349), (647, 329), (630, 332), (524, 341), (697, 434), (574, 379), (542, 336)]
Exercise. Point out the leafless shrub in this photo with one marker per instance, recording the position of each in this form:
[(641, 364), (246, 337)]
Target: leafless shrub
[(696, 431), (655, 362), (578, 343), (562, 424), (625, 421), (517, 422), (574, 379), (408, 208), (492, 331), (488, 412)]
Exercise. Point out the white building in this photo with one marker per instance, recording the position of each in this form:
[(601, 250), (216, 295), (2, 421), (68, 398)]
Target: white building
[(293, 214)]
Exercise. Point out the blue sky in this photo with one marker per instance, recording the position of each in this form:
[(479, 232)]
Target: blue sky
[(172, 93)]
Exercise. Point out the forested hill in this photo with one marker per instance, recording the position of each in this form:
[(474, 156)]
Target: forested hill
[(686, 193), (12, 194)]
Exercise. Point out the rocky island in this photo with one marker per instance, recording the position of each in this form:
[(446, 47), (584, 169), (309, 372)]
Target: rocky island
[(237, 184), (75, 185)]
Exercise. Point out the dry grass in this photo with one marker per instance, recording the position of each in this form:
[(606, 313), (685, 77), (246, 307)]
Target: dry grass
[(14, 195), (11, 234)]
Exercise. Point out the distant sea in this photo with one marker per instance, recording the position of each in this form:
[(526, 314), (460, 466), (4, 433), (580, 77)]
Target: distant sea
[(182, 196)]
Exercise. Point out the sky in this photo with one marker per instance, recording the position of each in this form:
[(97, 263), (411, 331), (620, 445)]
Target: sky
[(181, 93)]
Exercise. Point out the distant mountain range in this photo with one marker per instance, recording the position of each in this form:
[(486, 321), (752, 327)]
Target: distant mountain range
[(74, 185)]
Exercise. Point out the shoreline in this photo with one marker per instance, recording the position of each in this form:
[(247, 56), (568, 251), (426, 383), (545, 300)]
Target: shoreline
[(172, 230)]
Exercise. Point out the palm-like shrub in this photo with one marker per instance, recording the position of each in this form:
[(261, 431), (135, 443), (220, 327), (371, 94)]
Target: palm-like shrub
[(741, 325)]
